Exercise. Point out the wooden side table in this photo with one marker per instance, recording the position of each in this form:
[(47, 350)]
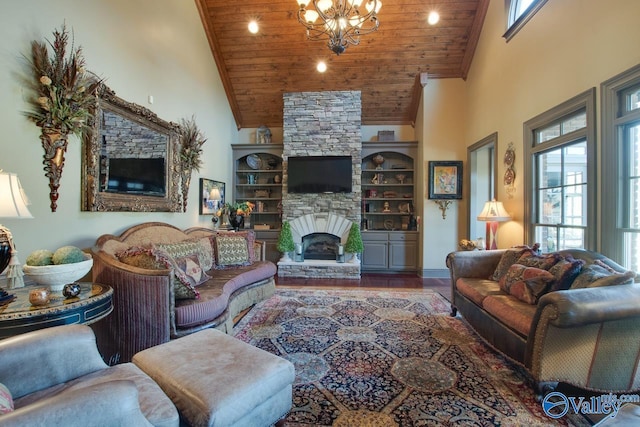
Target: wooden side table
[(19, 316)]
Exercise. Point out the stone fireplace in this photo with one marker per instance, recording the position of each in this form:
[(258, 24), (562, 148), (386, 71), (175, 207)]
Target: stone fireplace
[(322, 124)]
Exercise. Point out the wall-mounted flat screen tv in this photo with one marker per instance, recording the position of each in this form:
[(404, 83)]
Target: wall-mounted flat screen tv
[(137, 176), (319, 174)]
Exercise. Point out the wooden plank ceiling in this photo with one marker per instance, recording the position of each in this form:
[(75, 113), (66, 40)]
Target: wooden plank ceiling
[(386, 66)]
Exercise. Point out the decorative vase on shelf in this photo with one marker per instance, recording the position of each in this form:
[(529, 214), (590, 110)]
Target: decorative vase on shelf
[(236, 221)]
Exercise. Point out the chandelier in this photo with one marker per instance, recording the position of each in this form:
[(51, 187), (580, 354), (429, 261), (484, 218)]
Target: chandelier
[(341, 21)]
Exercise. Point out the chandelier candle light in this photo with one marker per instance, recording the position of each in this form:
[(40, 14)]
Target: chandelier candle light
[(341, 21), (493, 213)]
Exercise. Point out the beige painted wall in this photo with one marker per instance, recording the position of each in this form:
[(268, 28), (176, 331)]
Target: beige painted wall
[(141, 48), (568, 47)]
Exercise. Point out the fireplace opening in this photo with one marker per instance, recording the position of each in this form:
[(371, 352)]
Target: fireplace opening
[(320, 246)]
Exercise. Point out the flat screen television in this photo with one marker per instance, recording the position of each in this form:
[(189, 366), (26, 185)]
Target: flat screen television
[(319, 174), (137, 176)]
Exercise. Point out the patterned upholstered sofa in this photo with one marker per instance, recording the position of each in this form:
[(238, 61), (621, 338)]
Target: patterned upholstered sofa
[(571, 316), (169, 283)]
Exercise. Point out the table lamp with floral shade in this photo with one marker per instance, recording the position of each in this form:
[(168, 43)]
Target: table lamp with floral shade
[(13, 204)]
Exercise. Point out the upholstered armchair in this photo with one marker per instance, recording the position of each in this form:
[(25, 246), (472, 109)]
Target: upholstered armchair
[(56, 376)]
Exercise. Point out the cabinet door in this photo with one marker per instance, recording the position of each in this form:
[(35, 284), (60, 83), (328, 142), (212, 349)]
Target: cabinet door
[(403, 255), (374, 255)]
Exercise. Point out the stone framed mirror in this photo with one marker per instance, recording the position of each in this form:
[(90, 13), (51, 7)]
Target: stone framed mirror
[(130, 160)]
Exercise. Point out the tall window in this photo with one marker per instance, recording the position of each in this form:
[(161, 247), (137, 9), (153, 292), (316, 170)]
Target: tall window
[(519, 13), (621, 168), (481, 181), (560, 176)]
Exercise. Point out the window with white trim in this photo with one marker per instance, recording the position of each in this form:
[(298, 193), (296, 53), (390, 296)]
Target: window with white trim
[(621, 168), (519, 13), (560, 176)]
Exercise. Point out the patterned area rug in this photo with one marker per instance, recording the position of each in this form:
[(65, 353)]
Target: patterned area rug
[(388, 358)]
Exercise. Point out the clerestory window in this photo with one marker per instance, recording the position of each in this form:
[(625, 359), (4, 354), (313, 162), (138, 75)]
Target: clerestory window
[(519, 13)]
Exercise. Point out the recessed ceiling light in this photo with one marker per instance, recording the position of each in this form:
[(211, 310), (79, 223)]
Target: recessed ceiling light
[(433, 18), (253, 27), (321, 67)]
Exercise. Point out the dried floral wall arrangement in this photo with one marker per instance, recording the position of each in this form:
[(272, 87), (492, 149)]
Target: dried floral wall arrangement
[(191, 142), (61, 92)]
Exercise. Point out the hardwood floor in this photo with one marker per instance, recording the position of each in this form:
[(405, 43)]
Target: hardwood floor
[(373, 280)]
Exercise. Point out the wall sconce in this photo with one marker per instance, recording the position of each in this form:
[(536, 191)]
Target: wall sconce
[(443, 205)]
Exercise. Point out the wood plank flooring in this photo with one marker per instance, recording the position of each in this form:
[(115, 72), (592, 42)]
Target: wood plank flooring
[(373, 280)]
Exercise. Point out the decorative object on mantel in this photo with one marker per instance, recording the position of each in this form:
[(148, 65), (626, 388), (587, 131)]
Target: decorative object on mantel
[(354, 243), (263, 135), (493, 212), (510, 173), (285, 241), (386, 135), (13, 204), (61, 95), (341, 22), (191, 141)]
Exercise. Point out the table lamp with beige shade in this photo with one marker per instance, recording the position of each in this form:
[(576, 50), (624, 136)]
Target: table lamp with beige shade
[(13, 204), (493, 213)]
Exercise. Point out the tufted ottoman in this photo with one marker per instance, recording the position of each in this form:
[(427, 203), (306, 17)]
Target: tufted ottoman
[(217, 380)]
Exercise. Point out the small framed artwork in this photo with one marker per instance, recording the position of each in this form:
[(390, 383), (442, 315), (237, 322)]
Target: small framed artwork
[(445, 180), (212, 196)]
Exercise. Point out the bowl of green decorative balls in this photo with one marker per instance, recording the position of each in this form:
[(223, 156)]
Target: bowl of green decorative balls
[(55, 269)]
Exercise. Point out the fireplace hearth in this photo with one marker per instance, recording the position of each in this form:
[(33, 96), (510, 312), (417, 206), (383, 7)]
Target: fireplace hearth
[(320, 246)]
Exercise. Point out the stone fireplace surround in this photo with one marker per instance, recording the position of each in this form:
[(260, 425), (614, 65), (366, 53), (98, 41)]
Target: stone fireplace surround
[(322, 124)]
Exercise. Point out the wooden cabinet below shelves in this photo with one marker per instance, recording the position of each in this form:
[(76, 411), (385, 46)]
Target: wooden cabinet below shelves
[(393, 250)]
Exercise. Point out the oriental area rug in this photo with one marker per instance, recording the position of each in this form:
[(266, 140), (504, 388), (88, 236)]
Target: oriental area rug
[(388, 358)]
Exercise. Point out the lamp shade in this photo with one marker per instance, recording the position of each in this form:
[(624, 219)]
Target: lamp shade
[(13, 202), (215, 194), (494, 211)]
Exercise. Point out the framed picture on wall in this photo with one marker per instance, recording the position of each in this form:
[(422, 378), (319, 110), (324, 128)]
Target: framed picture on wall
[(445, 180), (212, 196)]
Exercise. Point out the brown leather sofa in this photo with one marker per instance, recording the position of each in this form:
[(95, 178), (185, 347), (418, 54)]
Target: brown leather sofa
[(147, 311), (588, 337)]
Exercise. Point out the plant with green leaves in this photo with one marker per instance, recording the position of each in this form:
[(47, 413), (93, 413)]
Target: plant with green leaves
[(285, 239), (354, 243)]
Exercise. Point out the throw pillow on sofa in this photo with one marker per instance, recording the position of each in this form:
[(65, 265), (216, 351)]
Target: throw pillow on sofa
[(596, 275), (564, 272), (233, 249), (527, 284), (543, 262), (509, 257), (200, 247), (189, 261), (141, 257)]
